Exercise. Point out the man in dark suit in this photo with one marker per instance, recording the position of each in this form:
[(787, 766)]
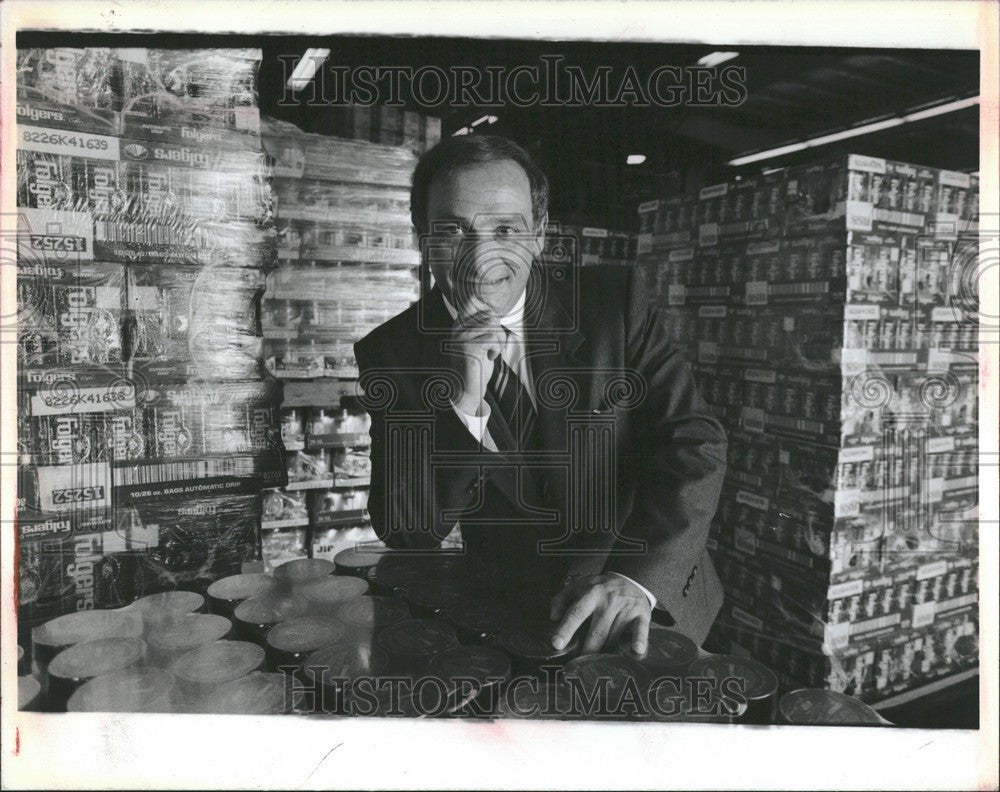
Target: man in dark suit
[(540, 406)]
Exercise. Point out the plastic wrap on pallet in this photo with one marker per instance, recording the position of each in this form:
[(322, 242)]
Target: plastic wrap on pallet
[(323, 201), (296, 153), (69, 88), (203, 322), (204, 96), (69, 314), (83, 560)]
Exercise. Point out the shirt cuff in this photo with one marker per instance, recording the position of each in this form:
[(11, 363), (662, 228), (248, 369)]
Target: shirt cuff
[(643, 589), (476, 424)]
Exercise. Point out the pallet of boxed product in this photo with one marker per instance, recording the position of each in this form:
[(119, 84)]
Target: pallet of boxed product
[(832, 329), (144, 232)]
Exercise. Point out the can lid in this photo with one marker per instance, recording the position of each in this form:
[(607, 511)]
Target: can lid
[(129, 690), (241, 587), (433, 594), (416, 637), (482, 663), (372, 611), (811, 706), (333, 590), (760, 681), (665, 649), (189, 631), (300, 570), (342, 661), (258, 693), (533, 641), (270, 608), (399, 570), (304, 634), (592, 669), (169, 601), (93, 658), (28, 689), (356, 558), (74, 628), (219, 662), (478, 615)]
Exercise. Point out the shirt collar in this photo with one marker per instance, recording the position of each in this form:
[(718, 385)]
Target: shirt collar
[(513, 321)]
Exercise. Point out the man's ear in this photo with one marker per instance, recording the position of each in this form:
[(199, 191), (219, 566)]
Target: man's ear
[(539, 241)]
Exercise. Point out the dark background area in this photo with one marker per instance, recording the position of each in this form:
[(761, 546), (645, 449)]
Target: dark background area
[(793, 93)]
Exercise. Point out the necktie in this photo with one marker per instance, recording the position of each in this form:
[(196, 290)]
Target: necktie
[(513, 405)]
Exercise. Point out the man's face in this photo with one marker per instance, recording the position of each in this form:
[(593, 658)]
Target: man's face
[(482, 237)]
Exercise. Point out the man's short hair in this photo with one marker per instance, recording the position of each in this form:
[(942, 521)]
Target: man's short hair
[(459, 151)]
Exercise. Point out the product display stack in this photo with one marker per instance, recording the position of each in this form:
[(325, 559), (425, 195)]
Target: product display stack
[(830, 316), (595, 245), (348, 262), (148, 425)]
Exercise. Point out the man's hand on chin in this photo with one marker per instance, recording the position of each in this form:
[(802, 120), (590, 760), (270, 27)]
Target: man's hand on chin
[(616, 606)]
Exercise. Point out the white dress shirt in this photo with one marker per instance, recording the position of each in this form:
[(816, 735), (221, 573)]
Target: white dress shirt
[(515, 357)]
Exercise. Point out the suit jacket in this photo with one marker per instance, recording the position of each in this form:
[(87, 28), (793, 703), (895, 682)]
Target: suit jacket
[(626, 470)]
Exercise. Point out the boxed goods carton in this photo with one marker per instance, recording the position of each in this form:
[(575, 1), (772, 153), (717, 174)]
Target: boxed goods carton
[(67, 88), (70, 314), (205, 320), (198, 96)]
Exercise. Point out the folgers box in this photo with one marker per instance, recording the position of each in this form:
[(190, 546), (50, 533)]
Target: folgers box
[(83, 437), (104, 559), (119, 177), (67, 88), (197, 419), (69, 315), (205, 317), (200, 96)]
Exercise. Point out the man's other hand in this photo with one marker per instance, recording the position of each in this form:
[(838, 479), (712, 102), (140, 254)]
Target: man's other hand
[(615, 605)]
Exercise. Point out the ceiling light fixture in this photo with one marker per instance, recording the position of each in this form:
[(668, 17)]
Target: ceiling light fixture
[(863, 129), (715, 58), (635, 159), (307, 67)]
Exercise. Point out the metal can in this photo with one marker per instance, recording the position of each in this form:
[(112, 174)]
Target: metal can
[(526, 698), (477, 621), (73, 667), (605, 679), (164, 607), (329, 593), (529, 645), (365, 615), (395, 571), (814, 707), (759, 684), (130, 690), (329, 677), (228, 592), (201, 671), (169, 641), (429, 598), (668, 652), (258, 693), (254, 617), (29, 691), (62, 632), (356, 561), (473, 676), (290, 642), (299, 572), (409, 645)]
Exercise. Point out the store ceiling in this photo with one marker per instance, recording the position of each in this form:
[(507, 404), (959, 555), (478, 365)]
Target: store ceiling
[(792, 93)]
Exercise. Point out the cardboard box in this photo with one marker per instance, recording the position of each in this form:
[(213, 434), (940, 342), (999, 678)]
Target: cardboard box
[(67, 88), (200, 96)]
